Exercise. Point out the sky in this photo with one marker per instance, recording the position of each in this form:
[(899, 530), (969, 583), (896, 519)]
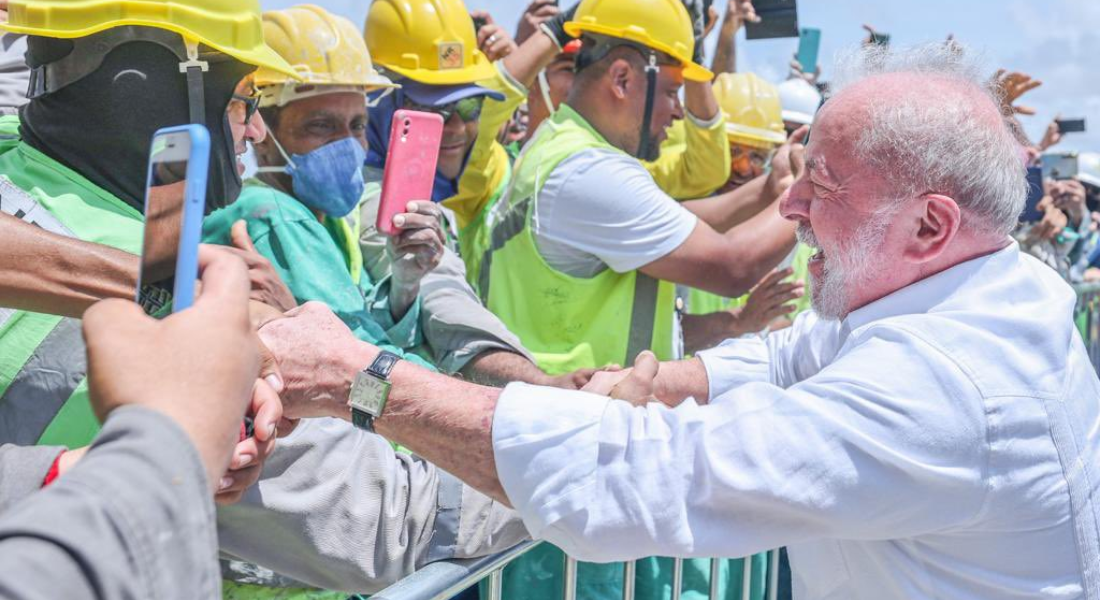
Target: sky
[(1055, 41)]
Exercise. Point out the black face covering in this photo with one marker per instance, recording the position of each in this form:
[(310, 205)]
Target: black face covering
[(101, 125)]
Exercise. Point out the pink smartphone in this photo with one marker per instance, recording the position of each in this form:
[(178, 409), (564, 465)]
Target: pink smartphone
[(410, 164)]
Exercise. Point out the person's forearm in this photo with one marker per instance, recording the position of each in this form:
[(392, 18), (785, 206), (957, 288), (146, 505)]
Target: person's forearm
[(679, 380), (699, 100), (402, 297), (532, 56), (726, 211), (422, 415), (49, 273), (500, 367), (725, 52), (756, 247), (709, 330)]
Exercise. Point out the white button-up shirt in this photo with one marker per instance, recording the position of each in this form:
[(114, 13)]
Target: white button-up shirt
[(942, 442)]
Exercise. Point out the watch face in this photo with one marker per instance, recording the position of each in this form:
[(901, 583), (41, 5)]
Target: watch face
[(369, 394)]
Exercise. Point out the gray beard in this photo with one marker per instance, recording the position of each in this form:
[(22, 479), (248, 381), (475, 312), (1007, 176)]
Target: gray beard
[(847, 267)]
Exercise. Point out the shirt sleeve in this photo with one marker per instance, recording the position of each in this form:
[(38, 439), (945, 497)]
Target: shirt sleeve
[(695, 160), (840, 455), (22, 471), (782, 358), (337, 508), (604, 204), (133, 519)]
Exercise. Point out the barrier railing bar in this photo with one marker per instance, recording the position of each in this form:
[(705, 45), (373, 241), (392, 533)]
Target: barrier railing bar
[(746, 578), (496, 584), (714, 567), (677, 578), (569, 583), (773, 575), (628, 580), (443, 579)]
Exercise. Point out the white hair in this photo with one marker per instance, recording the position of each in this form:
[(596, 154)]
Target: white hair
[(935, 141)]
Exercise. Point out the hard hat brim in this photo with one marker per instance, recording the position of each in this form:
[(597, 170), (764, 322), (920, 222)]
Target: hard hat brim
[(692, 70), (479, 71), (263, 56)]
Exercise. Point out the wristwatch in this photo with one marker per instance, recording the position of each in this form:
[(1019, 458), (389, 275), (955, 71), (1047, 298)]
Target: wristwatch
[(370, 390)]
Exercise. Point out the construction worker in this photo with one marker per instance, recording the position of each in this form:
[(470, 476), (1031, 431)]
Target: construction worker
[(104, 77), (800, 102), (755, 129), (430, 49), (584, 288), (311, 178), (694, 160)]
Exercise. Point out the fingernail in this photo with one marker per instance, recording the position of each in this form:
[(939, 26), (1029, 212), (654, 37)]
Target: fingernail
[(275, 382), (411, 206), (399, 221), (225, 483), (244, 460), (270, 431)]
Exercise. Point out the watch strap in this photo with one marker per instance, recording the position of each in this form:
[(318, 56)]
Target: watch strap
[(362, 420), (383, 364)]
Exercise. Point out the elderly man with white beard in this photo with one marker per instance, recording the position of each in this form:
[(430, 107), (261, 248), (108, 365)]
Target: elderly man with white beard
[(932, 432)]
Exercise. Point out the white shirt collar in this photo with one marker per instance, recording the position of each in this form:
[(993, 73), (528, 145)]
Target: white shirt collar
[(924, 295)]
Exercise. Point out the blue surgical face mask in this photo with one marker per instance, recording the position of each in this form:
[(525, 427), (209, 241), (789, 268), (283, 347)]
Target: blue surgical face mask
[(329, 179)]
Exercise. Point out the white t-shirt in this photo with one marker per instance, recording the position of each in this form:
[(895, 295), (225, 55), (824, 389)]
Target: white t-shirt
[(600, 208)]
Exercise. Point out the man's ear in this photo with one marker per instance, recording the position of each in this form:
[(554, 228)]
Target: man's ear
[(621, 76), (938, 221)]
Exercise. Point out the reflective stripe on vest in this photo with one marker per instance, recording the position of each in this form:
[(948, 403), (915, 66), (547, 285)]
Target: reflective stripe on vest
[(58, 365)]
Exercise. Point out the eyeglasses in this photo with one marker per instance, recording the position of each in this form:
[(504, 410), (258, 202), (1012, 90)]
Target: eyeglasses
[(250, 104), (468, 109), (745, 161)]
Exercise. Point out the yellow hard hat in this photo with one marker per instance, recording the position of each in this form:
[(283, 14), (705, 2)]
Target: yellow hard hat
[(663, 25), (430, 41), (229, 26), (325, 50), (754, 116)]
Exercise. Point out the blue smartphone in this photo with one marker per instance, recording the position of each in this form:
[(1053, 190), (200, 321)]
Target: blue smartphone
[(175, 201), (809, 44)]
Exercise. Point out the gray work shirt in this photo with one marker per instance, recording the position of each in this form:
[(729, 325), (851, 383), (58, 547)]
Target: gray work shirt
[(133, 519)]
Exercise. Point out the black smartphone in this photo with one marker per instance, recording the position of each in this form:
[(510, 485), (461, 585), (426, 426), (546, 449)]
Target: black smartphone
[(778, 19), (1060, 166), (479, 22), (1031, 213), (880, 39), (1071, 125)]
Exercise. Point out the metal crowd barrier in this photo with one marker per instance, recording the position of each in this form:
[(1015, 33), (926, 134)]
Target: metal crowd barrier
[(1087, 318), (442, 580)]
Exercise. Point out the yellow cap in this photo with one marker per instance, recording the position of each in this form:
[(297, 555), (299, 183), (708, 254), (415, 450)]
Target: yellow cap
[(430, 41), (754, 116), (323, 48), (663, 25), (229, 26)]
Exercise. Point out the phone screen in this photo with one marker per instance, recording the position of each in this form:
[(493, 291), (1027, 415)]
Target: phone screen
[(1031, 213), (778, 19), (164, 203), (1071, 125)]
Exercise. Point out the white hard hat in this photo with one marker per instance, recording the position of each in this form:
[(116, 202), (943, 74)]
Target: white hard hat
[(800, 101), (1088, 168)]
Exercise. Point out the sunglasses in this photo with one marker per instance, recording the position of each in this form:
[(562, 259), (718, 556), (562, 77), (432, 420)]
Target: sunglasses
[(468, 109), (250, 103)]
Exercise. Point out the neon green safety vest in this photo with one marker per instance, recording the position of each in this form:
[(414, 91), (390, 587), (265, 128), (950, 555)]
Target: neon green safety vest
[(701, 303), (43, 392), (474, 238), (567, 322)]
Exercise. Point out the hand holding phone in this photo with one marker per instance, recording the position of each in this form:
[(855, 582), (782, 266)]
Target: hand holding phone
[(411, 160)]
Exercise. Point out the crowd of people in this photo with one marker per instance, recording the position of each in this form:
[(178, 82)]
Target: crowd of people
[(651, 309)]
